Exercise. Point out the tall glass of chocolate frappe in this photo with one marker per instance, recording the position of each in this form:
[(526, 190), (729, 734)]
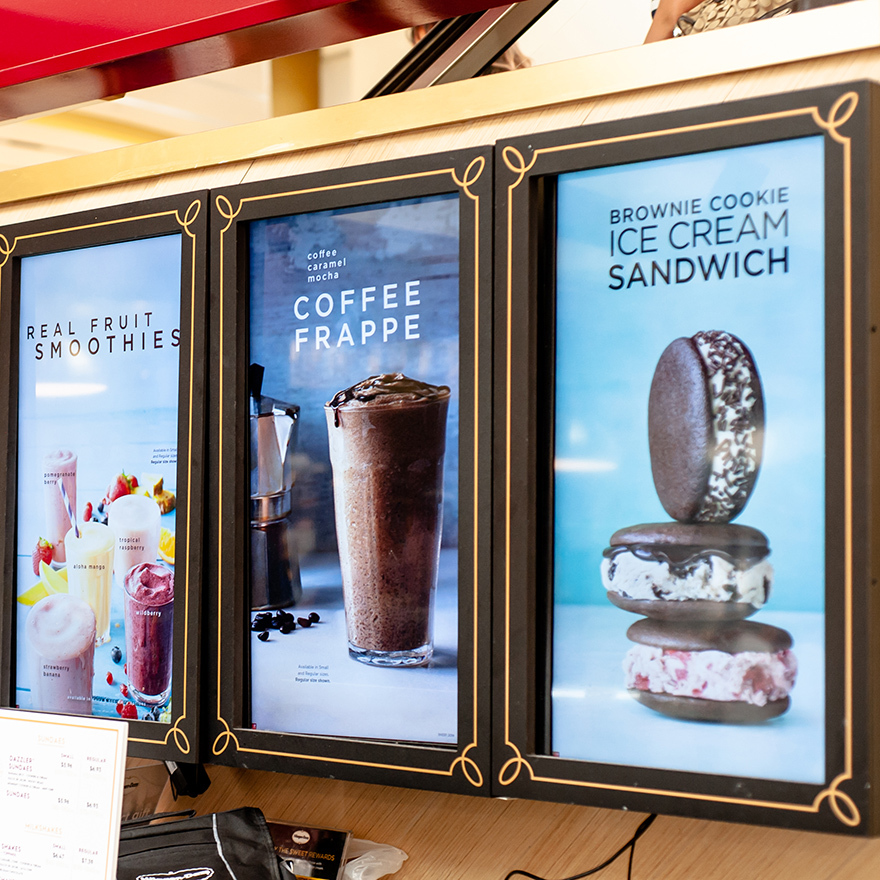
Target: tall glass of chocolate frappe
[(387, 443)]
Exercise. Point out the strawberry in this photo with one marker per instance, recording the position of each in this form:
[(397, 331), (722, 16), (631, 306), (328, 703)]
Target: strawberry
[(121, 484), (42, 553), (129, 710)]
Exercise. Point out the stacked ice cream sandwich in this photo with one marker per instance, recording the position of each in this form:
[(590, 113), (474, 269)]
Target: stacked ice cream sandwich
[(696, 579)]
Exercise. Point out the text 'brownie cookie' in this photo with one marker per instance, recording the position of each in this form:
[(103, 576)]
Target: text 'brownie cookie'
[(739, 672), (705, 427), (688, 571)]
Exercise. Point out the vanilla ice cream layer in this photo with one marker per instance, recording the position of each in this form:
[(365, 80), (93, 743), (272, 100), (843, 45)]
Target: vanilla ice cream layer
[(710, 576), (751, 677)]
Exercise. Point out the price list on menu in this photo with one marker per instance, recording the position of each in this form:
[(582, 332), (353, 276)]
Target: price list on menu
[(61, 795)]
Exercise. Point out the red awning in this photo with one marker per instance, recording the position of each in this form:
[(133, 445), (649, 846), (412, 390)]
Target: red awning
[(53, 53)]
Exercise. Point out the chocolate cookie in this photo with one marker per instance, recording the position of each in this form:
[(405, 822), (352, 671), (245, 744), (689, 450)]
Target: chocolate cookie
[(688, 571), (705, 427), (738, 672)]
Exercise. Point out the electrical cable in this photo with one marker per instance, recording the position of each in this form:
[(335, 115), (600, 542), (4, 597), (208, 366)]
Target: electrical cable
[(629, 845)]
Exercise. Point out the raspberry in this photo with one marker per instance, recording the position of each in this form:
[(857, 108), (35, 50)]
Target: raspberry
[(129, 710)]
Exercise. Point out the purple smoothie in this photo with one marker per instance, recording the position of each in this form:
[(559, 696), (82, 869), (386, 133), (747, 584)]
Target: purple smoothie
[(149, 631)]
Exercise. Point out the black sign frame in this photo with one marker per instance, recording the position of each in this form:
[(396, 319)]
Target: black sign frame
[(186, 215), (527, 170), (230, 735)]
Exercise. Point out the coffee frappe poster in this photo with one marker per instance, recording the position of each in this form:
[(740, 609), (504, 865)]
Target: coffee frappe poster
[(354, 403), (98, 359), (689, 464)]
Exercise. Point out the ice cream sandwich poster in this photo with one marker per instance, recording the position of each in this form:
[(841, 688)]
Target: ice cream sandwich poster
[(336, 297), (717, 256), (99, 344)]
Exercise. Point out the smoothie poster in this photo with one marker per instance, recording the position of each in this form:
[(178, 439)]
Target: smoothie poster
[(338, 297), (97, 463), (689, 469)]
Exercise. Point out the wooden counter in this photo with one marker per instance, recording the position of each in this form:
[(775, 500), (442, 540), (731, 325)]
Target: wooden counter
[(453, 837)]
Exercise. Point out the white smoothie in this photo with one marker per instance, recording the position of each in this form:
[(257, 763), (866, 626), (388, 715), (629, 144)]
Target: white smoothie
[(90, 571), (134, 520), (60, 635)]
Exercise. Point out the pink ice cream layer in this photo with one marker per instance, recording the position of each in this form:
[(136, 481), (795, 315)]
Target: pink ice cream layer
[(751, 677), (150, 584)]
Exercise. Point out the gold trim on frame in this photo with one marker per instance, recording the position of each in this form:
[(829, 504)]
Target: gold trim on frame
[(7, 249), (841, 804), (229, 734)]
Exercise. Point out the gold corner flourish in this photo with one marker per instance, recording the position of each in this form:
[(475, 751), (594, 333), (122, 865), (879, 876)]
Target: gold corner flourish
[(6, 249), (179, 736), (517, 762), (516, 162), (226, 211), (468, 767), (840, 113), (471, 175), (190, 215), (222, 740), (838, 799)]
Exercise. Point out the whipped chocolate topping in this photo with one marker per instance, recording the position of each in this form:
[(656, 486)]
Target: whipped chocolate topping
[(386, 389), (736, 392)]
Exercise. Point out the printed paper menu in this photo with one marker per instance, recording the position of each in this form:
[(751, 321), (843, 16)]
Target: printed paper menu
[(61, 787)]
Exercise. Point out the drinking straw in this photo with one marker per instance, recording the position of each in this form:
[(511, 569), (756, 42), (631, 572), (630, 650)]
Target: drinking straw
[(69, 507)]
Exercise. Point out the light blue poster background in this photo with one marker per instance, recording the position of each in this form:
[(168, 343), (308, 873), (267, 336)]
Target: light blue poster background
[(758, 212), (98, 375)]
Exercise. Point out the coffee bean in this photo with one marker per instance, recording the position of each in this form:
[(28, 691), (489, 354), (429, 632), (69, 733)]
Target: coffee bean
[(304, 621), (263, 636), (314, 616)]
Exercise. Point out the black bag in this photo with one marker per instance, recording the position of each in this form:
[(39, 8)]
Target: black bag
[(235, 845)]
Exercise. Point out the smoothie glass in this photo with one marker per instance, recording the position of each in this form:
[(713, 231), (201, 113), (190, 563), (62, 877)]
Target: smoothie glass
[(90, 571), (58, 465), (148, 598), (60, 638), (134, 520), (387, 444)]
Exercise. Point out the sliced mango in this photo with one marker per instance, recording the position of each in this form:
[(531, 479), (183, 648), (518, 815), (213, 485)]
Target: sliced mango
[(53, 582), (53, 579)]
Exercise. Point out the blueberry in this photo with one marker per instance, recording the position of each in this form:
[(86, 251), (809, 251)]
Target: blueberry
[(116, 653)]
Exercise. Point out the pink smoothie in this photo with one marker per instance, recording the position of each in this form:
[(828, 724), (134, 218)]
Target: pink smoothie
[(149, 631), (60, 635), (58, 465)]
